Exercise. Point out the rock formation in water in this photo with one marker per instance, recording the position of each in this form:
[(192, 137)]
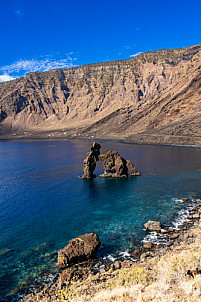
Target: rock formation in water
[(114, 165), (90, 161), (79, 249), (151, 98), (131, 169)]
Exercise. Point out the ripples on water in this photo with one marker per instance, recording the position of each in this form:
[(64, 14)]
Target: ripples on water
[(43, 203)]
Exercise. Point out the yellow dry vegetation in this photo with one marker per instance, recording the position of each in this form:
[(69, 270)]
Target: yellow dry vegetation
[(163, 278)]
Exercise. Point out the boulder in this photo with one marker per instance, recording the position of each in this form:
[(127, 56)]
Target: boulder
[(163, 231), (136, 253), (153, 226), (174, 236), (148, 245), (79, 249), (89, 164)]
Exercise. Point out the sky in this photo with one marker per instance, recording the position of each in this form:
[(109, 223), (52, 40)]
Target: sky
[(42, 35)]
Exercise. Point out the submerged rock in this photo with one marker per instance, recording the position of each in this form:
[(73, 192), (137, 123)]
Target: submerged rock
[(5, 252), (79, 249)]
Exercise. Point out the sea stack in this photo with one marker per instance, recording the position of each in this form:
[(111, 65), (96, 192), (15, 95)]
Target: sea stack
[(114, 165), (90, 161)]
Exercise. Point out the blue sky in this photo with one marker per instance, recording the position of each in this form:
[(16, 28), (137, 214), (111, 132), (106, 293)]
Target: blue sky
[(41, 35)]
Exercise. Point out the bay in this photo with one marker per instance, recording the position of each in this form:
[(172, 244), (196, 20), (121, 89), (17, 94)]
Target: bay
[(43, 202)]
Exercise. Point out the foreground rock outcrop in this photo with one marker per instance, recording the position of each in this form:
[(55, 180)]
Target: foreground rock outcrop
[(114, 165), (79, 249)]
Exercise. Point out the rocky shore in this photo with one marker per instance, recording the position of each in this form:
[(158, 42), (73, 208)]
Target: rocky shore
[(177, 257)]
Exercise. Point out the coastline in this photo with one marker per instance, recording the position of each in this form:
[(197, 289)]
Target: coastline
[(123, 140), (115, 259), (96, 274)]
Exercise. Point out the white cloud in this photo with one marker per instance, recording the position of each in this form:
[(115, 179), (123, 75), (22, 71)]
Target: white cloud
[(44, 63), (136, 54), (5, 78)]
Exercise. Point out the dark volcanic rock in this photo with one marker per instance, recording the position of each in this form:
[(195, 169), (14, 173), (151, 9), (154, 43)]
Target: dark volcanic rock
[(90, 161), (79, 249)]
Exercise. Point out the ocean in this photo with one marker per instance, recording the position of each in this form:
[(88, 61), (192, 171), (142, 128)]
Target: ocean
[(44, 203)]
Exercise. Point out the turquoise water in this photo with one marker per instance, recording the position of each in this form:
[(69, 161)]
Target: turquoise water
[(43, 202)]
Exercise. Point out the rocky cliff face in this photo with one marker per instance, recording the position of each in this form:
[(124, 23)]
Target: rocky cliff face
[(152, 98)]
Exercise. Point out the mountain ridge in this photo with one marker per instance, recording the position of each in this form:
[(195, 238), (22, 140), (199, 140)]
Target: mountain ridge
[(152, 98)]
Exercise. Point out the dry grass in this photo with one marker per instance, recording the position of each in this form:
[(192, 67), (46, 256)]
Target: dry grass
[(160, 279)]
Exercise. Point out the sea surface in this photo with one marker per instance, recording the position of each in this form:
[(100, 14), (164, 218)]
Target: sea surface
[(44, 203)]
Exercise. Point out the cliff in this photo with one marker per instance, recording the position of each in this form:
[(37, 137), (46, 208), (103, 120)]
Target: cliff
[(152, 98)]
